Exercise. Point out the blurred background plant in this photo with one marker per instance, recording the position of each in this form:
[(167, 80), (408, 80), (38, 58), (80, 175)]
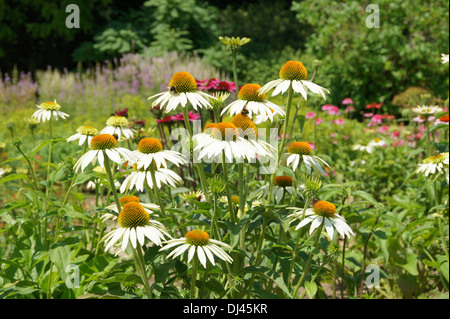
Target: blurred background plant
[(369, 64)]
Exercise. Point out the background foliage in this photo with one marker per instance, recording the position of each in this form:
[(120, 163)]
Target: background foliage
[(370, 65)]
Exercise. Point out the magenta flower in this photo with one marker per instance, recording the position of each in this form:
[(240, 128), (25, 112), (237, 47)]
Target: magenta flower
[(310, 115), (214, 84), (326, 107), (383, 129), (168, 118), (333, 110), (339, 122), (347, 101), (375, 120), (180, 117), (350, 109), (318, 121), (418, 119)]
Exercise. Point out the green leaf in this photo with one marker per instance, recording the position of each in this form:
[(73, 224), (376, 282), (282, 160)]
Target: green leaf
[(444, 269), (37, 148), (411, 264), (214, 285), (311, 289), (269, 273), (60, 256), (122, 277), (367, 197), (13, 177)]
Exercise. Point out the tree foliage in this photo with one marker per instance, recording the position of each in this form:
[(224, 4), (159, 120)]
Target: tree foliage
[(377, 63)]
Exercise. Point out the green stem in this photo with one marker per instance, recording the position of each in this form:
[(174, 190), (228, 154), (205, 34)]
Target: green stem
[(158, 198), (233, 53), (315, 276), (194, 276), (286, 122), (227, 189), (50, 148), (141, 262), (308, 262), (343, 266), (428, 136), (111, 181), (199, 168), (441, 233), (258, 256), (297, 244)]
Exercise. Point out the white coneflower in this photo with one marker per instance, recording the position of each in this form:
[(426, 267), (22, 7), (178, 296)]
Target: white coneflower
[(301, 151), (149, 207), (182, 88), (150, 150), (323, 211), (377, 142), (254, 104), (101, 145), (83, 133), (293, 73), (223, 137), (197, 242), (444, 58), (134, 225), (426, 110), (435, 165), (47, 110), (118, 125), (363, 148), (139, 178), (248, 130)]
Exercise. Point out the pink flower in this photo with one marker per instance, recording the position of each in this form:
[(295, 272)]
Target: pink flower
[(419, 136), (350, 109), (312, 145), (345, 137), (422, 128), (368, 114), (383, 129), (347, 101), (375, 120), (318, 121), (339, 122), (334, 110), (333, 134), (396, 133), (168, 118), (180, 117), (418, 119), (331, 109), (216, 85), (326, 107), (310, 115), (398, 143)]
